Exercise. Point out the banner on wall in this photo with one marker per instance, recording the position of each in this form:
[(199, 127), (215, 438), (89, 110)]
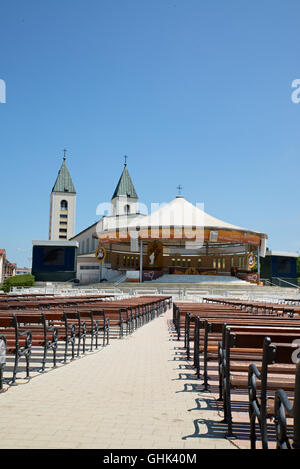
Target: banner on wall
[(100, 253), (155, 254), (251, 260)]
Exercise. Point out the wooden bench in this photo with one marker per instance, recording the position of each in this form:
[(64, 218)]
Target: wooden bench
[(18, 343), (249, 347), (283, 408), (212, 333), (262, 405)]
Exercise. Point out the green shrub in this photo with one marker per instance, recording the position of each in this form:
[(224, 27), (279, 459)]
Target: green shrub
[(25, 280)]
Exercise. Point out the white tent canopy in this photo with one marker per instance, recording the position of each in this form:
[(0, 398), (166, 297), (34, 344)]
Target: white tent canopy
[(181, 213)]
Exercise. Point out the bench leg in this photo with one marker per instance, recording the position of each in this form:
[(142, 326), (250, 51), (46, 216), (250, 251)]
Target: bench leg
[(227, 412), (220, 398), (27, 356), (73, 348), (97, 331), (83, 343), (92, 339), (78, 345), (252, 429), (44, 359), (104, 335), (15, 370), (66, 349), (54, 349), (1, 378)]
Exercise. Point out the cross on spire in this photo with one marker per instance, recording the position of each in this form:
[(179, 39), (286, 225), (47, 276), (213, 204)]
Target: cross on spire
[(65, 151), (126, 158), (179, 188)]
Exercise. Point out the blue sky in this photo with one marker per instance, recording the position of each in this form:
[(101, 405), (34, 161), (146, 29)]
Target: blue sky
[(195, 92)]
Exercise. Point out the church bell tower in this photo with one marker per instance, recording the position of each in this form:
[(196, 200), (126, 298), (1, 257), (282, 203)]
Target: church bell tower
[(62, 206), (125, 199)]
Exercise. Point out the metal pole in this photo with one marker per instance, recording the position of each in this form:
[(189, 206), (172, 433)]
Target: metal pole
[(141, 261), (101, 266), (258, 262)]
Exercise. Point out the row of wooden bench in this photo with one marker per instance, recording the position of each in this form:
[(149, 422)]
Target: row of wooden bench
[(23, 330), (254, 352), (290, 308)]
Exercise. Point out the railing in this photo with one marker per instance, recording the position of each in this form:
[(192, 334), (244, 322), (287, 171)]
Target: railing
[(120, 280), (268, 282), (285, 281)]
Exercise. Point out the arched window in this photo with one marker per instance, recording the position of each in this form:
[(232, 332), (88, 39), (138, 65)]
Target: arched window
[(64, 205), (127, 209)]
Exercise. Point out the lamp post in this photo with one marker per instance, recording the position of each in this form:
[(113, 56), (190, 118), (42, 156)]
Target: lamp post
[(141, 261), (141, 257)]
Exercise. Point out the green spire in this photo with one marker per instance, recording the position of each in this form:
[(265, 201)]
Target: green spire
[(64, 181), (125, 185)]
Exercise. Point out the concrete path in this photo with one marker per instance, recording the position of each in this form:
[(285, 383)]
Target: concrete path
[(138, 392)]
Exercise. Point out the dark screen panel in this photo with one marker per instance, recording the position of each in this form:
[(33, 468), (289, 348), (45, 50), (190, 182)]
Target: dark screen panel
[(54, 256), (284, 265)]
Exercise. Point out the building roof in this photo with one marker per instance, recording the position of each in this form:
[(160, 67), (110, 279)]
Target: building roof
[(179, 219), (85, 229), (64, 181), (282, 253), (125, 186), (55, 243), (179, 212)]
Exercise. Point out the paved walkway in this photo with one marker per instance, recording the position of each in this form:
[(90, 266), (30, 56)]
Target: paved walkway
[(136, 393)]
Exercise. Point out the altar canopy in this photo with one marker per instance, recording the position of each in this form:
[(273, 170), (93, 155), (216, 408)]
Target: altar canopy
[(180, 220)]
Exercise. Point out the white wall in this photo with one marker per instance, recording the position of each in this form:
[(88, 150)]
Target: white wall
[(55, 211)]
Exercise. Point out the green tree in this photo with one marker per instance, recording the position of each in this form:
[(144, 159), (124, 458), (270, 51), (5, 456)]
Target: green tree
[(26, 280)]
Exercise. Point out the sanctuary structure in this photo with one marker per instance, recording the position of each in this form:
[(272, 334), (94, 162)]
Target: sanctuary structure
[(178, 238)]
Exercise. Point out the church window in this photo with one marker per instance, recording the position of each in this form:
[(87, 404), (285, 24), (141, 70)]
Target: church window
[(127, 209), (64, 205)]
